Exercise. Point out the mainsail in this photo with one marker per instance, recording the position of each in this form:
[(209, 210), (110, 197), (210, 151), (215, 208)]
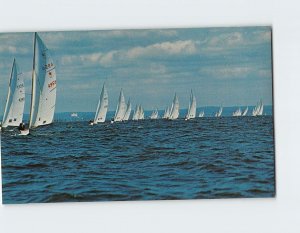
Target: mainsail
[(219, 113), (128, 111), (258, 110), (121, 108), (192, 107), (14, 108), (166, 113), (238, 112), (154, 114), (245, 112), (102, 106), (43, 96), (141, 113), (175, 108), (136, 113), (201, 114)]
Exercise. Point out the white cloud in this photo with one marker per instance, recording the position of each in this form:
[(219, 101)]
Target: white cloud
[(227, 41), (227, 72), (181, 47), (12, 49)]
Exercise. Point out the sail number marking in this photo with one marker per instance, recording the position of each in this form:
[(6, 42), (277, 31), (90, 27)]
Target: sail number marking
[(52, 84), (47, 66)]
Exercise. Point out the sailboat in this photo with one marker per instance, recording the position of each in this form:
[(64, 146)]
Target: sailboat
[(237, 113), (43, 94), (192, 107), (14, 107), (154, 114), (174, 109), (219, 113), (258, 110), (128, 111), (102, 107), (141, 113), (201, 114), (166, 113), (245, 112), (136, 113), (121, 108)]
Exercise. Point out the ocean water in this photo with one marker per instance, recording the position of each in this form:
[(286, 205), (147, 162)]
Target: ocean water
[(208, 157)]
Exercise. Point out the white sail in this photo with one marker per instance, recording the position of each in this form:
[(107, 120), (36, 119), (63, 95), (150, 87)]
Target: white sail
[(175, 108), (245, 112), (166, 113), (261, 109), (201, 114), (14, 108), (237, 113), (192, 107), (43, 96), (141, 113), (258, 110), (136, 113), (121, 108), (102, 107), (154, 114), (128, 111), (219, 113)]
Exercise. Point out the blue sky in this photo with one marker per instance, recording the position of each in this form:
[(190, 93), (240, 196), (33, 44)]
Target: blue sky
[(223, 66)]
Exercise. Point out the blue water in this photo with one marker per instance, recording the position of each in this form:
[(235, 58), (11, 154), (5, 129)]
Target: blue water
[(146, 160)]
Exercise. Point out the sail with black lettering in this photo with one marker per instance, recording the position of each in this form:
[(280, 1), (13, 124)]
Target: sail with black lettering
[(102, 107), (43, 96), (14, 108)]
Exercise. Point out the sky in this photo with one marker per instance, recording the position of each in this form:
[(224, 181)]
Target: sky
[(223, 66)]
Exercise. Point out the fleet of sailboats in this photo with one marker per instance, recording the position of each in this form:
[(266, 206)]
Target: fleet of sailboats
[(43, 98)]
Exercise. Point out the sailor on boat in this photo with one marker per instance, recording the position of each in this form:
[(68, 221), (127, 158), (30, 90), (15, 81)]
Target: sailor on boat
[(22, 129)]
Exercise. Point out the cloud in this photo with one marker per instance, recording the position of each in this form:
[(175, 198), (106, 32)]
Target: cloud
[(168, 48), (13, 49), (227, 72), (235, 40), (180, 47)]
